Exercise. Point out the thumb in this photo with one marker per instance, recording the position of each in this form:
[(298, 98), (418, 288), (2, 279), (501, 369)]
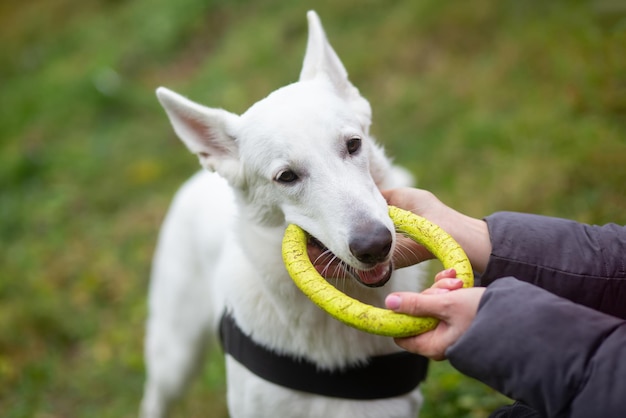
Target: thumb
[(415, 304)]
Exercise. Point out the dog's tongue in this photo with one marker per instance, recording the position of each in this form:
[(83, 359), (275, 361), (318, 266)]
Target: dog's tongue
[(377, 276)]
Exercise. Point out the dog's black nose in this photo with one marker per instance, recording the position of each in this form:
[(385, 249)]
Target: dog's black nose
[(371, 243)]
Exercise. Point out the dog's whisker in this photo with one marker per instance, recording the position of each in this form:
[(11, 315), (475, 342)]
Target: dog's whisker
[(406, 253), (345, 276), (341, 271), (325, 255), (330, 257)]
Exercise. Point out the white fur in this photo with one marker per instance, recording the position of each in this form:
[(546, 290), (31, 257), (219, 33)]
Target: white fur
[(220, 245)]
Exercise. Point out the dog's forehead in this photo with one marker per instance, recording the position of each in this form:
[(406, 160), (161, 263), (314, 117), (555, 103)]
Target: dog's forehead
[(302, 107)]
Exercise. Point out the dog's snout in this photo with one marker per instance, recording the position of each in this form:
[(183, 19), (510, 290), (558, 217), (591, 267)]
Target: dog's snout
[(371, 244)]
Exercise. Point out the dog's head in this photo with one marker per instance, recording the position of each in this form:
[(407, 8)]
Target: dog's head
[(302, 155)]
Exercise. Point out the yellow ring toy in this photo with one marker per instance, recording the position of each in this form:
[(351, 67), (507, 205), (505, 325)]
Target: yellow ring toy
[(360, 315)]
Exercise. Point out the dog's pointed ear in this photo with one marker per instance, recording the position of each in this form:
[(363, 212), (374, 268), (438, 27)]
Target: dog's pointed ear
[(321, 60), (320, 57), (207, 132)]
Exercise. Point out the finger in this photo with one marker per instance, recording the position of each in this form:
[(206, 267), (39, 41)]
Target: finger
[(424, 344), (395, 197), (416, 304), (448, 284), (434, 291), (445, 274)]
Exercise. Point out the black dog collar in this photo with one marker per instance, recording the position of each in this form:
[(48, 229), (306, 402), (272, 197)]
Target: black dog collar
[(382, 377)]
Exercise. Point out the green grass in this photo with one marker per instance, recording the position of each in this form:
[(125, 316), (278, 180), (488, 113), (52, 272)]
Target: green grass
[(493, 105)]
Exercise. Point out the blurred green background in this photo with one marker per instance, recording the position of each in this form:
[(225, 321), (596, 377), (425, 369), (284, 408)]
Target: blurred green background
[(516, 105)]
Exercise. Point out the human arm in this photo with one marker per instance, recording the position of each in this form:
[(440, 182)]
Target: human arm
[(471, 233), (561, 358), (583, 263)]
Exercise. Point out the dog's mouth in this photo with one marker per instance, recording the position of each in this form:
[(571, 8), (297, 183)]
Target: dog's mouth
[(331, 266)]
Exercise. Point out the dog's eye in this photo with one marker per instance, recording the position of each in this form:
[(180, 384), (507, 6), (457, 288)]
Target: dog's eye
[(353, 144), (286, 176)]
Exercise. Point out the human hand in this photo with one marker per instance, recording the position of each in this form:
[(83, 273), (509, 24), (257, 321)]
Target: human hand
[(422, 203), (455, 310), (472, 234)]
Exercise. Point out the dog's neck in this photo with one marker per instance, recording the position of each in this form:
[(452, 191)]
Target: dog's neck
[(261, 244), (270, 307)]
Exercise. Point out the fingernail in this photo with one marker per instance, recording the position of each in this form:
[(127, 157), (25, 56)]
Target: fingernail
[(392, 302), (455, 282)]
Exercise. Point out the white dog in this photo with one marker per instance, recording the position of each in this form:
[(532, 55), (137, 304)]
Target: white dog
[(302, 155)]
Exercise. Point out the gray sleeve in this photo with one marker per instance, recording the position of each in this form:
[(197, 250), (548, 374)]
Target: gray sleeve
[(583, 263), (562, 359)]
